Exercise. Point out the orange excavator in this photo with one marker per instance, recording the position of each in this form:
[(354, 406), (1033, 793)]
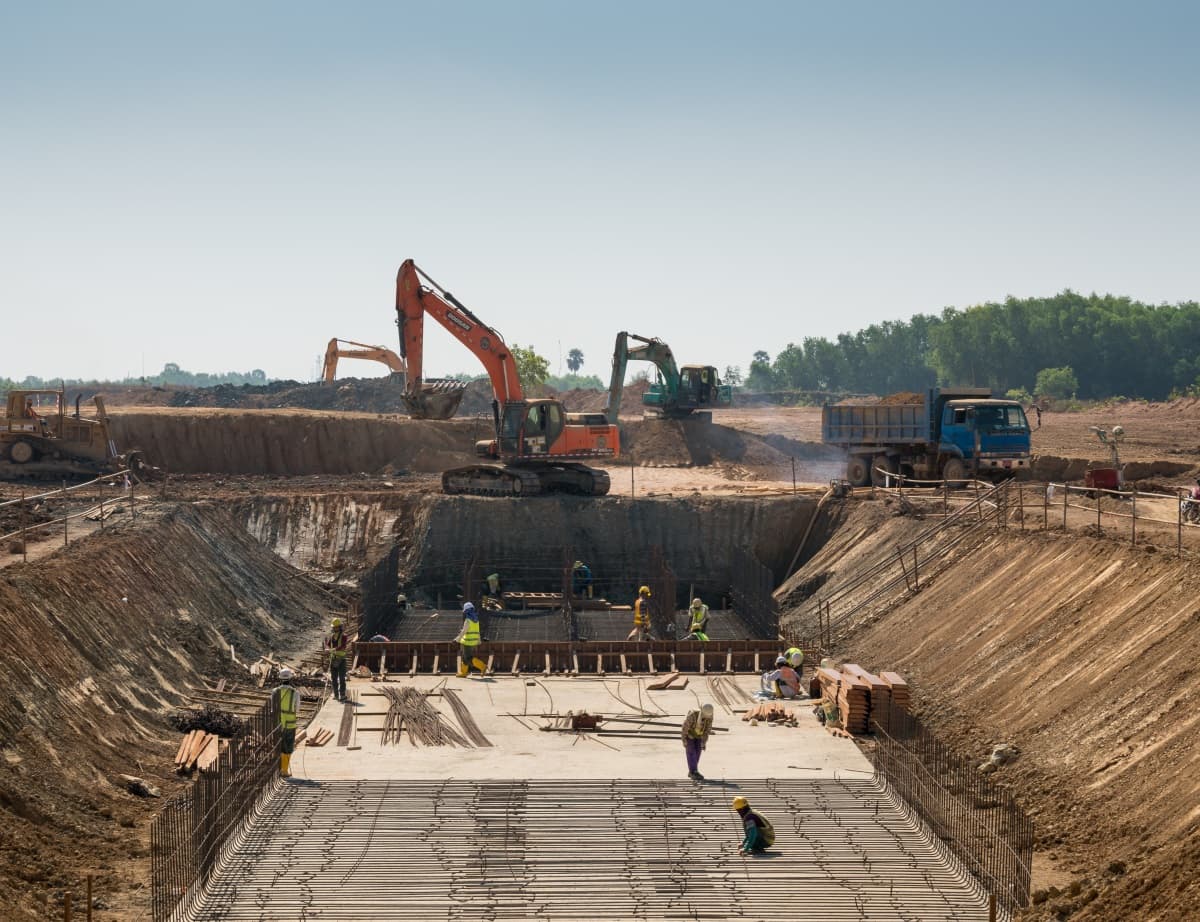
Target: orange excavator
[(334, 351), (539, 447)]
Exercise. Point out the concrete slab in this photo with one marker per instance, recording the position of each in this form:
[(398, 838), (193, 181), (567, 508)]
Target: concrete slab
[(509, 709)]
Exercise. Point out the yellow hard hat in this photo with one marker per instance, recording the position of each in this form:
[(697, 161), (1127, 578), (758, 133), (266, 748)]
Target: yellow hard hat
[(337, 622), (645, 590), (739, 802)]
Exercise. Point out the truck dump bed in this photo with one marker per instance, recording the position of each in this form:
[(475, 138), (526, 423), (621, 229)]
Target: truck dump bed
[(875, 424)]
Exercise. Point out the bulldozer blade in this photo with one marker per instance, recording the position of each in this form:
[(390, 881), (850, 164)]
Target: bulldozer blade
[(435, 400)]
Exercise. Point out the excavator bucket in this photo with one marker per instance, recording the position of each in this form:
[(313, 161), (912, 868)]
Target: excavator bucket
[(437, 399)]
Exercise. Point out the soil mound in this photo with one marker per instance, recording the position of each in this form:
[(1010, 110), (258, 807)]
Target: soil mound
[(902, 398), (160, 599)]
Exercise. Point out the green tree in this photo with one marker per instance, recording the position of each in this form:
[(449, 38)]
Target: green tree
[(761, 377), (532, 369), (1057, 382), (575, 360)]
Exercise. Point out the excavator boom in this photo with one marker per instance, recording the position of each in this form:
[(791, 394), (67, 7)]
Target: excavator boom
[(413, 302), (334, 351)]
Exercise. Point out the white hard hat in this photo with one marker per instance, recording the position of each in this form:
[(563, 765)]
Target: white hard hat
[(285, 673), (706, 709), (696, 603)]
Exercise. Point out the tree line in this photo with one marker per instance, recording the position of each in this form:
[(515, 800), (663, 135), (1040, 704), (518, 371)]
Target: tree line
[(171, 375), (1069, 345)]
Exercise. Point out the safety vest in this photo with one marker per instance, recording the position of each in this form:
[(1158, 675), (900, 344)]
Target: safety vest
[(470, 637), (336, 644), (288, 706), (493, 582), (698, 728), (640, 618), (699, 620)]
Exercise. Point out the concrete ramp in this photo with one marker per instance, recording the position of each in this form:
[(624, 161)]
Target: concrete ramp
[(371, 851)]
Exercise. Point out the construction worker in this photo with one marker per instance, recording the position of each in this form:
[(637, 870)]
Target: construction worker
[(289, 710), (468, 640), (698, 627), (581, 579), (697, 727), (641, 615), (336, 644), (783, 681), (493, 584), (760, 834), (795, 658)]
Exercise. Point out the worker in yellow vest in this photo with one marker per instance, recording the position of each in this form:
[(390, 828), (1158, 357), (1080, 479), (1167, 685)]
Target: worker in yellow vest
[(468, 640), (641, 615), (698, 626), (289, 710), (336, 644)]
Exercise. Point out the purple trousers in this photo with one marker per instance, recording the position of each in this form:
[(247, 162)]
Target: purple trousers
[(692, 748)]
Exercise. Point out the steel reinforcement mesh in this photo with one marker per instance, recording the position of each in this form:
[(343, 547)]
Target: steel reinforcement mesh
[(584, 850)]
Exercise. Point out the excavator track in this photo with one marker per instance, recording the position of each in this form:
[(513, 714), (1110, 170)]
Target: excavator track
[(522, 481)]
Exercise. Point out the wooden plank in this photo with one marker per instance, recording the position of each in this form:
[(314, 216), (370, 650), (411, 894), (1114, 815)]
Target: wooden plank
[(673, 667), (516, 660), (209, 754), (624, 665), (183, 745), (650, 663), (663, 683), (599, 664)]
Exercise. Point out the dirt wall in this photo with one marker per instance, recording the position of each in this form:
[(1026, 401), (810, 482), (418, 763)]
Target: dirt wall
[(1082, 653), (104, 640)]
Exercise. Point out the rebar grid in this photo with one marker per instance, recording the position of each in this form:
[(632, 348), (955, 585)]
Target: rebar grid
[(586, 850)]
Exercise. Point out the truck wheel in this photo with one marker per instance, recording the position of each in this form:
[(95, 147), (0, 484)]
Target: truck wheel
[(20, 452), (954, 473), (858, 472), (881, 466)]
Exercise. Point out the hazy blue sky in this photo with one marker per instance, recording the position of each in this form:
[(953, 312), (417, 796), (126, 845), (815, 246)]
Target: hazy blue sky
[(227, 185)]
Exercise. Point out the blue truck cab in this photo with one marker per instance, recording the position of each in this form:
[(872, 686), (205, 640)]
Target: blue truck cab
[(952, 433)]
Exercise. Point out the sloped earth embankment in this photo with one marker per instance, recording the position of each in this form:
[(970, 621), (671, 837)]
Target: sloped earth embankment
[(1082, 653), (103, 642)]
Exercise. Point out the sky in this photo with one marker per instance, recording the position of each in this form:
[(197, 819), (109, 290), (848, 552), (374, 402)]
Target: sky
[(227, 186)]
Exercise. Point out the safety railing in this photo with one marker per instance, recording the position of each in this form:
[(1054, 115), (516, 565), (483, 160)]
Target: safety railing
[(187, 837), (980, 824), (94, 501)]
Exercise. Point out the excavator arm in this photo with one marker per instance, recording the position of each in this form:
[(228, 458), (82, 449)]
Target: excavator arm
[(413, 301), (645, 350), (334, 351)]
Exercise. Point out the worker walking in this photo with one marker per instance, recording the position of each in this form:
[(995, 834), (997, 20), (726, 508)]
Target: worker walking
[(697, 727), (698, 627), (469, 640), (760, 834), (581, 579), (641, 615), (336, 645), (289, 710)]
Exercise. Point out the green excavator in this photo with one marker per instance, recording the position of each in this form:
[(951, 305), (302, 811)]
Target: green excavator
[(676, 393)]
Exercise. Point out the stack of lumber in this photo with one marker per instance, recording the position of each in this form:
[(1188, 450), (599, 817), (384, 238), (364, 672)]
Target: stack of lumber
[(771, 712), (673, 681), (197, 749), (849, 694), (899, 689), (880, 694)]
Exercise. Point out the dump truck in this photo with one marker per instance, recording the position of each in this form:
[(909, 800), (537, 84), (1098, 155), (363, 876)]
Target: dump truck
[(947, 434), (41, 440)]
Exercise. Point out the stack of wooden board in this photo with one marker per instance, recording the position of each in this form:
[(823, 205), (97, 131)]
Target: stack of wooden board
[(197, 749), (854, 702), (899, 690), (880, 694), (320, 737), (771, 712)]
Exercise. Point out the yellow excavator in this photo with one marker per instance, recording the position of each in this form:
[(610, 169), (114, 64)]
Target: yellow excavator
[(334, 351)]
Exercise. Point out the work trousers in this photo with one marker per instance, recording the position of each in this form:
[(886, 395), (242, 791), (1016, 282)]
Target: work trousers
[(337, 672), (692, 748), (287, 741)]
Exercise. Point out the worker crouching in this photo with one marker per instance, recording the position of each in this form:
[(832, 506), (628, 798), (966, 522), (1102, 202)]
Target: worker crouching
[(783, 681), (469, 640), (698, 625), (759, 833)]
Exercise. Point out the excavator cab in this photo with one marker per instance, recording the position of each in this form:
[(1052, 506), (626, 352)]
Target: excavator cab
[(527, 429)]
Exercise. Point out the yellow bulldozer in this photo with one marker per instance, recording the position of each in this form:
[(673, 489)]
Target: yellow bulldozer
[(40, 440)]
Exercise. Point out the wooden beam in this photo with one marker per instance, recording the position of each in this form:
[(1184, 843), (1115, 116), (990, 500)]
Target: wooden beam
[(547, 672), (624, 665), (516, 659), (650, 663)]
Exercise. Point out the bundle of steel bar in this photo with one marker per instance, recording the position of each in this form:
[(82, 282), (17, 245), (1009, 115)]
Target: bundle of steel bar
[(409, 709)]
